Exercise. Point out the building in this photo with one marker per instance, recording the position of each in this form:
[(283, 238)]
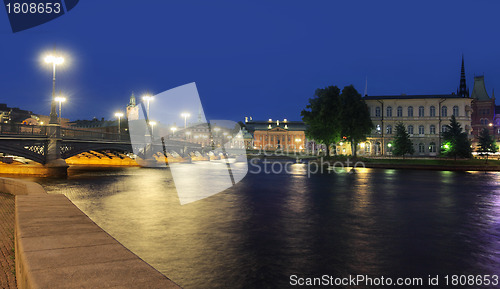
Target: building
[(425, 118), (273, 135), (132, 109), (484, 111)]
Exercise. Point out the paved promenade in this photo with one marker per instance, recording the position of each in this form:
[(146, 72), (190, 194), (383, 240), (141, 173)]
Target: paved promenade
[(7, 208)]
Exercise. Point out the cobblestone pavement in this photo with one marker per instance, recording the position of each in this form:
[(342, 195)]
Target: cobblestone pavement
[(7, 207)]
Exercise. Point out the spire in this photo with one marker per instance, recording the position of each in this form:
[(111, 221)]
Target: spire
[(463, 91), (132, 100)]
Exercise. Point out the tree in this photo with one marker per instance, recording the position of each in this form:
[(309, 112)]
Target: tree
[(486, 143), (322, 116), (455, 141), (355, 117), (402, 143)]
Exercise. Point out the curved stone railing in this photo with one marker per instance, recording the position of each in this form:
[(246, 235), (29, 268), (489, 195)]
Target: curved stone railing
[(58, 246)]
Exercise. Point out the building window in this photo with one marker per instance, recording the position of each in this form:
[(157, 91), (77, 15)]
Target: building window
[(378, 128), (432, 147), (367, 147), (420, 129), (444, 128), (432, 129), (455, 110), (377, 111), (432, 111), (389, 111), (410, 111), (400, 111), (421, 148), (444, 111), (421, 111), (410, 129), (389, 129)]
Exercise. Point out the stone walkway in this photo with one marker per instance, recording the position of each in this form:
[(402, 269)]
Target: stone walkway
[(7, 208)]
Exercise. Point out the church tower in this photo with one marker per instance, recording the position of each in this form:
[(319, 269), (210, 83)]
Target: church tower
[(463, 91), (132, 109)]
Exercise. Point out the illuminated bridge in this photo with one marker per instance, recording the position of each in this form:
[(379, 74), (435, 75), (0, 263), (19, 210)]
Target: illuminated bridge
[(44, 144)]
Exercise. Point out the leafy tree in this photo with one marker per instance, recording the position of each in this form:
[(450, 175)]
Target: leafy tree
[(322, 116), (355, 117), (455, 140), (486, 143), (402, 144)]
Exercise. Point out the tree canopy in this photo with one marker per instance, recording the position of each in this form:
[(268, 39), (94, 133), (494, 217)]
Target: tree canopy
[(402, 143), (322, 116), (455, 141), (486, 143), (331, 116), (355, 117)]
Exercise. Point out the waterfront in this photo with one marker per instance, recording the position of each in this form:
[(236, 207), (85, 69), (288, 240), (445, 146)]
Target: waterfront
[(396, 223)]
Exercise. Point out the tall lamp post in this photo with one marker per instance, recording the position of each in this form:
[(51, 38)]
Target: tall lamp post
[(152, 124), (54, 60), (119, 116), (147, 98), (185, 115), (60, 99)]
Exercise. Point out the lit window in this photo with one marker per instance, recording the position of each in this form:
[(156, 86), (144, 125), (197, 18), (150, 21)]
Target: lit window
[(432, 147), (389, 129)]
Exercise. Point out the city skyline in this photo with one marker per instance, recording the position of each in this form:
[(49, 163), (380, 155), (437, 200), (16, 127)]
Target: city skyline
[(263, 56)]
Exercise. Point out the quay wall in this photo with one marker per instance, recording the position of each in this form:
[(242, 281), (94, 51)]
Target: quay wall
[(58, 246)]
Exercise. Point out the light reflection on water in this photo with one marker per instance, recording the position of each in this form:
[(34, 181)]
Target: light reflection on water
[(254, 235)]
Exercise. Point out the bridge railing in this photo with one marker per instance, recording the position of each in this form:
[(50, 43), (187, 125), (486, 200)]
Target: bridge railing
[(7, 129), (81, 134)]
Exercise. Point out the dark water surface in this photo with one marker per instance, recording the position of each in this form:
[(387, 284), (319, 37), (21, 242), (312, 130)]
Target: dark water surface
[(392, 223)]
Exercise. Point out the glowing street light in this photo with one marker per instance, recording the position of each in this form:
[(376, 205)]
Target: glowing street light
[(185, 115), (173, 129), (147, 98), (54, 60), (152, 124), (119, 116), (60, 99)]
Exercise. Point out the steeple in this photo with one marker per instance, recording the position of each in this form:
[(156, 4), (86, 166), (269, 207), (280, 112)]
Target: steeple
[(132, 100), (463, 91)]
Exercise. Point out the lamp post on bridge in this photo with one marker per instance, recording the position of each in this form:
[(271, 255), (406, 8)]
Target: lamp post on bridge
[(119, 116), (54, 60), (60, 99)]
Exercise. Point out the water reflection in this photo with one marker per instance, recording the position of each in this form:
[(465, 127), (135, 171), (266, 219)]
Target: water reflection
[(269, 226)]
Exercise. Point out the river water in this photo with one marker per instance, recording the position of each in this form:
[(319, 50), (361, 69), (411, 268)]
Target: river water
[(391, 223)]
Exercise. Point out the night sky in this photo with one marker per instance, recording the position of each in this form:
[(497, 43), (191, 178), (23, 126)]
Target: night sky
[(248, 58)]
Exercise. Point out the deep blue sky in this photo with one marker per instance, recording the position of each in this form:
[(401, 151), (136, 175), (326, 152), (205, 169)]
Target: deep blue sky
[(258, 58)]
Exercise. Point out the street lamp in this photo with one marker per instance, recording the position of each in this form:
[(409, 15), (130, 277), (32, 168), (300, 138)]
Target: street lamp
[(147, 98), (185, 115), (152, 123), (60, 99), (173, 129), (54, 60), (119, 116)]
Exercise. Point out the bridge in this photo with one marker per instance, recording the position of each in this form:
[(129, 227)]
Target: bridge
[(49, 143)]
